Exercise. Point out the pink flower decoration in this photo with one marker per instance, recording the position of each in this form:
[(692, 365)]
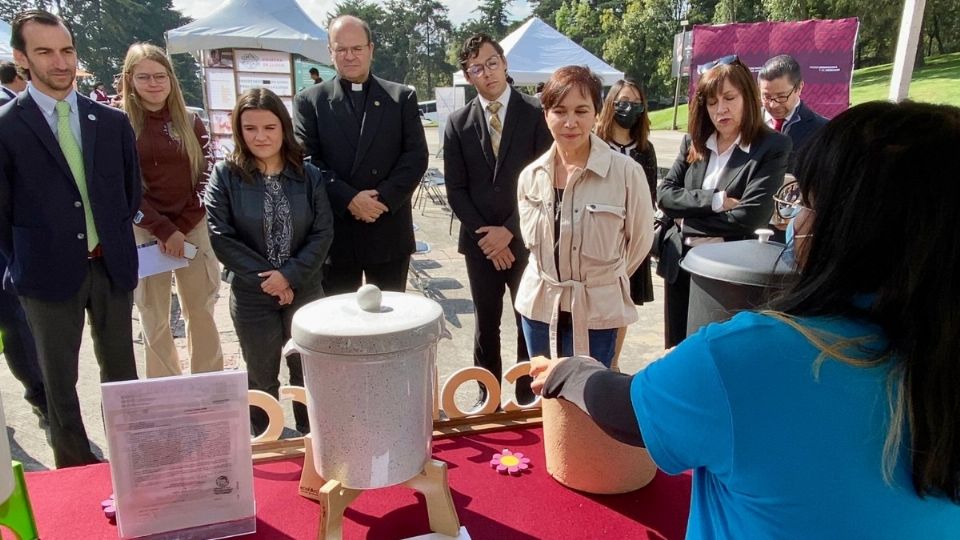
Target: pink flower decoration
[(509, 462), (109, 507)]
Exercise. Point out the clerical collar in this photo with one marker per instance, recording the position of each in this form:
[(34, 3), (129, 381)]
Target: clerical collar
[(354, 87)]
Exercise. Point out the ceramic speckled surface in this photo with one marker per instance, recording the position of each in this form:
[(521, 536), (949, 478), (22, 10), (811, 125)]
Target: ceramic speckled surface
[(369, 378)]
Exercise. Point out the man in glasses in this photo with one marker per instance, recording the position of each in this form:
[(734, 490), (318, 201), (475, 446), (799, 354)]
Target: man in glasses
[(781, 82), (485, 146), (366, 133)]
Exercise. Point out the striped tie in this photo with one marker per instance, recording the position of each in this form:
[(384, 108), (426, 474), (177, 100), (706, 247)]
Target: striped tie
[(71, 151), (497, 127)]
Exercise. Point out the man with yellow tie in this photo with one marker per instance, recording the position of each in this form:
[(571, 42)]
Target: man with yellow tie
[(69, 194), (485, 146)]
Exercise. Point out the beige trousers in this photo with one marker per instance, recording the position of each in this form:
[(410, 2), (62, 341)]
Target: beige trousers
[(197, 287)]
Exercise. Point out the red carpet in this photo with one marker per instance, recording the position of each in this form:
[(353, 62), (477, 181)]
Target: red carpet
[(491, 506)]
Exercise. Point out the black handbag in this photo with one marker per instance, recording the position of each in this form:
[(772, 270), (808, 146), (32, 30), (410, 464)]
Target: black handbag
[(661, 225)]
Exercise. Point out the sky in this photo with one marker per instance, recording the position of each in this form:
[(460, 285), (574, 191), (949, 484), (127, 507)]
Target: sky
[(460, 10)]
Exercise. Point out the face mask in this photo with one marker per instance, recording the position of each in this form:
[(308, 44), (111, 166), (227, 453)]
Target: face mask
[(788, 255), (626, 113)]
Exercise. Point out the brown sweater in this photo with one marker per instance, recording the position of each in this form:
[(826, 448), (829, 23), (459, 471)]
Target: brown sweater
[(171, 200)]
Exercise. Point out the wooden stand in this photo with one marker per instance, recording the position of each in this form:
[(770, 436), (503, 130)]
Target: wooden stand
[(432, 482)]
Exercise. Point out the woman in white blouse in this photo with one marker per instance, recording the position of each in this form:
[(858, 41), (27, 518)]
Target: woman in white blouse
[(721, 186)]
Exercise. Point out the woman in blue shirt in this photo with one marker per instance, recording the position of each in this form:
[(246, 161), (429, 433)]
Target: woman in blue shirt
[(836, 413)]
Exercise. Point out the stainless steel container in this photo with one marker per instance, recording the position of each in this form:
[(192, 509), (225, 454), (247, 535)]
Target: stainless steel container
[(369, 364)]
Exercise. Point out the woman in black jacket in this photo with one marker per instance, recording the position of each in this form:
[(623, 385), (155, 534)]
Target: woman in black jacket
[(721, 186), (625, 125), (271, 227)]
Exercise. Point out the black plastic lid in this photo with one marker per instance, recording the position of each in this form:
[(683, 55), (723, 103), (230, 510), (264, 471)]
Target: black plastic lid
[(745, 262)]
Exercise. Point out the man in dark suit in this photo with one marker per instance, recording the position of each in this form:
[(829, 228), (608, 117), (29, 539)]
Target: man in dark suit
[(367, 132), (781, 83), (69, 192), (11, 83), (485, 146)]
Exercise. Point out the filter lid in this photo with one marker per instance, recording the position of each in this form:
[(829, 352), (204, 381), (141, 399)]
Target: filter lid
[(745, 262), (367, 322)]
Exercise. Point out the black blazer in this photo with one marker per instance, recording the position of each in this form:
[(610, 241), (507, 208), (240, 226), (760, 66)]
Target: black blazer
[(481, 187), (801, 130), (387, 153), (235, 220), (41, 216), (752, 177)]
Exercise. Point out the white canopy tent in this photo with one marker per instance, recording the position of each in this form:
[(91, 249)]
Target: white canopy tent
[(275, 25), (6, 51), (535, 50)]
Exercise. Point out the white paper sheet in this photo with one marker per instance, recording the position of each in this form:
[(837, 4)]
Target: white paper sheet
[(180, 455), (153, 261)]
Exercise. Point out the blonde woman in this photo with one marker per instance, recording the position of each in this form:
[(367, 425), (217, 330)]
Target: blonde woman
[(175, 164)]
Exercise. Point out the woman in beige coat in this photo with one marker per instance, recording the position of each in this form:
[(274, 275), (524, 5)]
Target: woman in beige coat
[(585, 215)]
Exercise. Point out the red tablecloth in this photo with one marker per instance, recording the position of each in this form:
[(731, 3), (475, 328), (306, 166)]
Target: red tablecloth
[(491, 506)]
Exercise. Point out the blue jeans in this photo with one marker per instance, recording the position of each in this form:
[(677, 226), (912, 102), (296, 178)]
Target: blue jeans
[(602, 343)]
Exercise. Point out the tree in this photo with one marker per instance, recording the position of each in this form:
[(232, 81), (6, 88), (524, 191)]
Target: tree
[(547, 10), (104, 29), (494, 17), (580, 21), (431, 35)]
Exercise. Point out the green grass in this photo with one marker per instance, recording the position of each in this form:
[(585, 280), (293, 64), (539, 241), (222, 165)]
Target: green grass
[(938, 81)]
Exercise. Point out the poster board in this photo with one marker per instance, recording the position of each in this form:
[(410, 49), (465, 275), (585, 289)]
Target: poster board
[(180, 456), (221, 89), (823, 48)]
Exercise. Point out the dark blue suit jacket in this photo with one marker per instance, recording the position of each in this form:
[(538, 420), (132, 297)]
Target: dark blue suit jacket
[(807, 123), (41, 217)]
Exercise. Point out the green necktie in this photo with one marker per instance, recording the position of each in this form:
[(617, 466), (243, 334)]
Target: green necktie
[(71, 151)]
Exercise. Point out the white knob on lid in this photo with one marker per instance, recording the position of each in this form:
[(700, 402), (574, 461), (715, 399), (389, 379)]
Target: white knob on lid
[(369, 298), (763, 235)]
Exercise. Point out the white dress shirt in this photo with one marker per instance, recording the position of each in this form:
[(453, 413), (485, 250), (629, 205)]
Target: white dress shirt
[(48, 106), (504, 99), (767, 119)]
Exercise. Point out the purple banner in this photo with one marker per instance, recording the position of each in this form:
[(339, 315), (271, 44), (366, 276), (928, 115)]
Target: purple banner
[(824, 50)]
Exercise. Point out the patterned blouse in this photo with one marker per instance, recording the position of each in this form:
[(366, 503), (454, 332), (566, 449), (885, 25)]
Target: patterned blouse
[(277, 221)]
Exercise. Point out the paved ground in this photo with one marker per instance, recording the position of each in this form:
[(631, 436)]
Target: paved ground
[(442, 276)]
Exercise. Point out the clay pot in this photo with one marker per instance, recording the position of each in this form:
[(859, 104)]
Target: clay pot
[(581, 456)]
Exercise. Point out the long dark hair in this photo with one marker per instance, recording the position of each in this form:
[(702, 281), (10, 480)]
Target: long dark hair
[(884, 230), (241, 160), (640, 132), (711, 82)]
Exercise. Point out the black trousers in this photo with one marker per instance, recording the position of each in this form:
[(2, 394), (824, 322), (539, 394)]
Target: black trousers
[(487, 285), (340, 278), (263, 328), (676, 301), (57, 328), (20, 351)]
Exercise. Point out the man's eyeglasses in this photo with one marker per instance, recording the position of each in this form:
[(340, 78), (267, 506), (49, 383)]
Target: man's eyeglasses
[(493, 63), (789, 201), (357, 50), (144, 78), (779, 100), (722, 61)]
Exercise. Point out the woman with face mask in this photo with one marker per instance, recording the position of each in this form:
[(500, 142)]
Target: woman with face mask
[(625, 126)]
